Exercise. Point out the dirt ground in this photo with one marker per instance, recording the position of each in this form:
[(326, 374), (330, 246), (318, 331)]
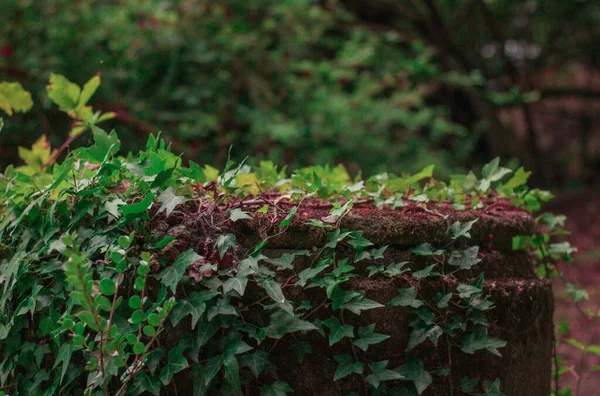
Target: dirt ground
[(583, 213)]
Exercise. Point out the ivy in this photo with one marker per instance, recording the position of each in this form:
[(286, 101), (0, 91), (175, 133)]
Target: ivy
[(101, 282)]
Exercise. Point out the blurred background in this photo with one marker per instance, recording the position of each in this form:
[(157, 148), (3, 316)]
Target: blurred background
[(375, 85)]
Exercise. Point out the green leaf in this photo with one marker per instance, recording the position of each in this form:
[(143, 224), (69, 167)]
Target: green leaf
[(171, 275), (169, 200), (237, 283), (104, 146), (282, 323), (414, 370), (346, 367), (13, 98), (425, 272), (238, 214), (492, 171), (277, 388), (467, 385), (338, 330), (479, 339), (176, 362), (142, 382), (255, 362), (212, 368), (459, 229), (288, 219), (89, 88), (107, 286), (310, 273), (464, 259), (195, 305), (518, 179), (357, 305), (232, 372), (274, 291), (64, 355), (380, 373), (367, 337), (139, 348), (63, 92), (224, 243), (406, 298), (138, 208), (420, 334), (492, 388), (576, 293), (425, 249)]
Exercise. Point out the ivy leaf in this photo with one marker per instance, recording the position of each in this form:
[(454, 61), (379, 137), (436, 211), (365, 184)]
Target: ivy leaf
[(89, 88), (171, 276), (13, 98), (238, 214), (362, 304), (224, 243), (366, 337), (195, 305), (169, 200), (136, 209), (145, 383), (479, 339), (406, 298), (255, 362), (282, 323), (38, 155), (237, 283), (492, 171), (310, 273), (576, 293), (176, 362), (346, 367), (467, 385), (274, 291), (277, 388), (232, 372), (420, 334), (425, 249), (492, 388), (285, 260), (464, 259), (338, 330), (104, 146), (64, 355), (459, 229), (206, 330), (414, 371), (425, 272), (212, 368), (380, 373)]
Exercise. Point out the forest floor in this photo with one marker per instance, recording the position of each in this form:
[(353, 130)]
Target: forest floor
[(583, 221)]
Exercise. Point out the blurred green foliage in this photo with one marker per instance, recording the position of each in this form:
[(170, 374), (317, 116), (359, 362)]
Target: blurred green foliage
[(295, 82), (383, 85)]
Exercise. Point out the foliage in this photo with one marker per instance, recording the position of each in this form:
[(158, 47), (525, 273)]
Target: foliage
[(89, 293)]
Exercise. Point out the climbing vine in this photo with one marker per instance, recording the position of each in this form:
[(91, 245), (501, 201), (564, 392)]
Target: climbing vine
[(121, 274)]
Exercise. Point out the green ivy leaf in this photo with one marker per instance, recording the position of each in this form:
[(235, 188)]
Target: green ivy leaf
[(518, 179), (425, 272), (406, 298), (425, 249), (142, 382), (64, 355), (479, 339), (379, 373), (176, 362), (274, 291), (414, 370), (171, 275), (464, 259), (347, 366), (232, 372), (288, 219), (367, 337), (169, 200), (338, 330), (492, 388), (224, 243), (277, 388), (255, 362), (283, 323), (467, 385), (139, 208), (458, 229), (420, 334), (238, 214)]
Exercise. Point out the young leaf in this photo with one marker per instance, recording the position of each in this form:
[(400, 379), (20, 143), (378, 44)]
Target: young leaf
[(274, 291), (277, 388), (238, 214), (459, 229), (224, 243), (255, 362), (425, 249), (338, 330), (414, 371), (479, 339), (492, 388), (380, 373), (425, 272), (464, 259), (283, 323), (288, 219)]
